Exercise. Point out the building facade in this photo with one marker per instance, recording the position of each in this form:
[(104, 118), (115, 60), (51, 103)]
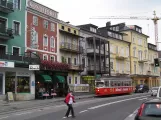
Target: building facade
[(70, 51), (96, 57), (15, 76), (119, 50), (139, 55)]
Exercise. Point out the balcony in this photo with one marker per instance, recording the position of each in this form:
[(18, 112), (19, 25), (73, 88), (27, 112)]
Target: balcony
[(69, 47), (6, 33), (90, 51), (91, 69), (76, 67), (121, 57), (141, 60), (21, 60), (6, 7)]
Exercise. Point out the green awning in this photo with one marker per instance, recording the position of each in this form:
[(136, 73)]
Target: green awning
[(60, 79), (46, 78)]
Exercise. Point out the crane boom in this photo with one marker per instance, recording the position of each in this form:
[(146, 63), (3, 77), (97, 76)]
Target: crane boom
[(154, 19)]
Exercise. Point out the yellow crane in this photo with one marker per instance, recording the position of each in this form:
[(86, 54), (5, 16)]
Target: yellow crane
[(154, 19)]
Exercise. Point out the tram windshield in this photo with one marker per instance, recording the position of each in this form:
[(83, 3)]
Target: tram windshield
[(99, 84)]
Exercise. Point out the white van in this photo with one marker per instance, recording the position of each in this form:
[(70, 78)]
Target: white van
[(159, 92)]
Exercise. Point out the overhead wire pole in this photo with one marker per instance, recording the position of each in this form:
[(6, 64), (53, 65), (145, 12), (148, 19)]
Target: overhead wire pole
[(154, 19)]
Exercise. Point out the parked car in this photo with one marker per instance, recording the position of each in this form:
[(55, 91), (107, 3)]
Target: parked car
[(149, 110), (154, 91), (141, 88)]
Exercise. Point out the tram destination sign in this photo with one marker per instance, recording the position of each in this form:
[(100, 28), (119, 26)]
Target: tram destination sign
[(34, 67)]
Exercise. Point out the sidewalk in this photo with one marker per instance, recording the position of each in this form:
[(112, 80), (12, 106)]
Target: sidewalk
[(6, 107)]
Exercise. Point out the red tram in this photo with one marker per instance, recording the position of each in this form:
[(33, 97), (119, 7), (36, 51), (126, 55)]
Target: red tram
[(113, 85)]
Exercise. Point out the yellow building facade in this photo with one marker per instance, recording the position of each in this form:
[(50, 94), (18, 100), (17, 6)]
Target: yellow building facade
[(70, 51), (142, 69), (119, 56)]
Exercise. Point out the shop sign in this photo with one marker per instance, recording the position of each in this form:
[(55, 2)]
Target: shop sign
[(34, 67), (22, 74), (10, 96), (7, 64), (38, 7)]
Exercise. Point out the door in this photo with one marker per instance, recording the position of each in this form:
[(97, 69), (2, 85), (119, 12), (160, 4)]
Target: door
[(1, 84), (2, 50), (2, 25)]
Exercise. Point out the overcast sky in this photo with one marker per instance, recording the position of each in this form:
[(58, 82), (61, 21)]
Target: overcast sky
[(78, 12)]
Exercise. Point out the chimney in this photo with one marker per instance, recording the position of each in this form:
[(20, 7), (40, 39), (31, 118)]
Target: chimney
[(108, 24), (68, 22)]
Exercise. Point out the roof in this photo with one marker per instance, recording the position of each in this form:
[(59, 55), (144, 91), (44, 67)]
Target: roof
[(69, 25), (128, 29), (92, 25)]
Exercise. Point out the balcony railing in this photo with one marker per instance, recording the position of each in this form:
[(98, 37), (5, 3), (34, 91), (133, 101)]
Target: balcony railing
[(121, 57), (143, 60), (6, 6), (25, 58), (76, 67), (91, 51), (103, 69), (71, 47), (6, 33)]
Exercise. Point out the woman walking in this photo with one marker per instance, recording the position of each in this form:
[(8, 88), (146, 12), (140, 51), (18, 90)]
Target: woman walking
[(69, 100)]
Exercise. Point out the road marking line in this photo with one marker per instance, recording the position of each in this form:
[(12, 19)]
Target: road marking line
[(114, 102), (23, 113), (83, 111), (143, 99), (4, 117)]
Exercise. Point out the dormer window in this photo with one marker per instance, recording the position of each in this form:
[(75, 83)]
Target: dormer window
[(117, 28), (75, 32), (68, 29), (62, 27), (92, 29)]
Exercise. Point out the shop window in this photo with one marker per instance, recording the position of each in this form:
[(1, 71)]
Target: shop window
[(23, 84), (10, 83), (1, 84)]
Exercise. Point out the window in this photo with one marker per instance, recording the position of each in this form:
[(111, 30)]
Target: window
[(45, 57), (117, 28), (10, 82), (46, 24), (23, 84), (127, 51), (145, 54), (45, 41), (16, 4), (70, 81), (140, 41), (83, 62), (92, 29), (117, 36), (128, 66), (134, 52), (1, 84), (52, 42), (69, 30), (52, 27), (120, 37), (76, 82), (16, 27), (52, 58), (16, 51), (62, 27), (35, 20), (75, 61), (75, 32), (2, 49), (109, 33)]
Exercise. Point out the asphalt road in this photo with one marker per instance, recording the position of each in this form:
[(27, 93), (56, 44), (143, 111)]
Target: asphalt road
[(109, 108)]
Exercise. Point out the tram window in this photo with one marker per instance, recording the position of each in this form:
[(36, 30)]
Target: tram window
[(99, 84), (107, 83), (119, 83), (112, 84)]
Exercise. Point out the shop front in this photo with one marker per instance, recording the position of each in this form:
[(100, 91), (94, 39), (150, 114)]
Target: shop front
[(19, 81), (51, 83)]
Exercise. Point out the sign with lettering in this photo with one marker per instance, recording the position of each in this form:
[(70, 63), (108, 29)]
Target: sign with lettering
[(10, 96), (7, 64), (40, 8), (34, 67)]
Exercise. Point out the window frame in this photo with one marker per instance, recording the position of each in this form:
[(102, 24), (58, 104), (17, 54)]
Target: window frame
[(44, 56), (44, 40), (46, 24), (13, 27), (18, 48), (19, 5), (33, 20), (52, 45)]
